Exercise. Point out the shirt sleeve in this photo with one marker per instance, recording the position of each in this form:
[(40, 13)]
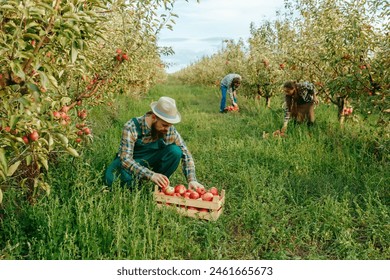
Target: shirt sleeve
[(188, 164), (129, 137)]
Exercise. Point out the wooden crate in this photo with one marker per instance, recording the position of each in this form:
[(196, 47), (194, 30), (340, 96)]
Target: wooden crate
[(181, 204)]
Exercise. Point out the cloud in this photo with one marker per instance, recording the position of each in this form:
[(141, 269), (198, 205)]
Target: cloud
[(213, 39), (201, 27), (170, 40)]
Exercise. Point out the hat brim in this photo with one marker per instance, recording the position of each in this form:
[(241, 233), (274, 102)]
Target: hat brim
[(165, 117)]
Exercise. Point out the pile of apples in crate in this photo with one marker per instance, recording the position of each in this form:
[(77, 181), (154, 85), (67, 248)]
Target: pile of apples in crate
[(199, 193), (202, 203)]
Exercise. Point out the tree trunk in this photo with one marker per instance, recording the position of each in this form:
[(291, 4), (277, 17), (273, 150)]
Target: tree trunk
[(268, 101), (341, 101)]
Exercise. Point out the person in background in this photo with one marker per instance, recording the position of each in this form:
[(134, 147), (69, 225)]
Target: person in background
[(229, 85), (151, 148), (300, 100)]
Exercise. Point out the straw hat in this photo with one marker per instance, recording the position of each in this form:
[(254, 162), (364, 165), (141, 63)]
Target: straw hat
[(165, 109)]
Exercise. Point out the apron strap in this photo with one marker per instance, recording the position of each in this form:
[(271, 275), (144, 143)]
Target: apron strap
[(138, 127)]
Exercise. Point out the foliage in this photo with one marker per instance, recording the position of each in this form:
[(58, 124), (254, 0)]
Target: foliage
[(58, 59)]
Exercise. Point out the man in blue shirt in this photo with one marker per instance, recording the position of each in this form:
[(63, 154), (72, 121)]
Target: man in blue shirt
[(229, 85)]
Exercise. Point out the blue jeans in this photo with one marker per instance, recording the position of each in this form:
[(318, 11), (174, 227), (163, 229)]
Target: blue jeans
[(223, 99), (164, 161)]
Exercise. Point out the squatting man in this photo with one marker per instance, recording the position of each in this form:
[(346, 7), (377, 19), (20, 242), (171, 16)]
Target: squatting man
[(151, 148)]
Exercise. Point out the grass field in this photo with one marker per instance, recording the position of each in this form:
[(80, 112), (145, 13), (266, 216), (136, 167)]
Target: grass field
[(320, 193)]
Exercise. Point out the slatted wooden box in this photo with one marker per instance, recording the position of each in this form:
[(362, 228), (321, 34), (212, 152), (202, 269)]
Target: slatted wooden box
[(195, 208)]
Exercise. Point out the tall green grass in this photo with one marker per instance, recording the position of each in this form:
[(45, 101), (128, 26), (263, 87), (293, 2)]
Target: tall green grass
[(320, 193)]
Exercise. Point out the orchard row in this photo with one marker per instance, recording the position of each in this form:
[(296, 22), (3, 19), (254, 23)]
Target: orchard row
[(339, 46)]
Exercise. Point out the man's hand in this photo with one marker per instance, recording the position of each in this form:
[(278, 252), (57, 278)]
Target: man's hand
[(160, 180), (194, 185)]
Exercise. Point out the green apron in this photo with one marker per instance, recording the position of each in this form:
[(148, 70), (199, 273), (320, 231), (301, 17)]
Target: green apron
[(157, 156)]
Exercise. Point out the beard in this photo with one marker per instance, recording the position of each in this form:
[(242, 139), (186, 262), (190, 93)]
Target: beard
[(155, 133)]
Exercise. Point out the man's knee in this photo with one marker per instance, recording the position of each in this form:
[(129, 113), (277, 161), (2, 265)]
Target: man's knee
[(174, 151)]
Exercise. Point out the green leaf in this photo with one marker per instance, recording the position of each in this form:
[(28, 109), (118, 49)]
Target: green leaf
[(13, 168), (53, 80), (17, 70), (44, 78), (32, 36), (28, 160), (1, 196), (44, 162), (3, 175), (7, 7), (45, 186), (74, 52), (33, 87), (45, 6), (51, 142), (63, 139), (13, 120), (72, 151), (3, 161)]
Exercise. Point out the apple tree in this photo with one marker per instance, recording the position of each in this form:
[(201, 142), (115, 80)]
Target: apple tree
[(60, 58), (339, 45)]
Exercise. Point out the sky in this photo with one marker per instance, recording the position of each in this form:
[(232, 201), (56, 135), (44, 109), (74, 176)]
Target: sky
[(201, 27)]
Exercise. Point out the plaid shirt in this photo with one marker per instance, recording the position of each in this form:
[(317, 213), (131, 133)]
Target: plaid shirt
[(306, 93), (129, 138)]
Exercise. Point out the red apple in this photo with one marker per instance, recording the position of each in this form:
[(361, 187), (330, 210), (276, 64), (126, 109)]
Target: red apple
[(213, 190), (203, 210), (208, 196), (194, 195), (78, 140), (187, 194), (86, 130), (56, 114), (201, 191), (180, 189), (169, 190), (25, 139), (33, 136), (82, 114)]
